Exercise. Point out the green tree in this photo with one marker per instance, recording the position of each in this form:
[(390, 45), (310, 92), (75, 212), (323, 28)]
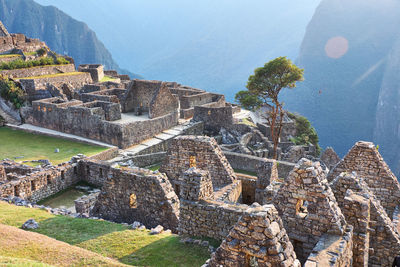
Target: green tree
[(263, 88)]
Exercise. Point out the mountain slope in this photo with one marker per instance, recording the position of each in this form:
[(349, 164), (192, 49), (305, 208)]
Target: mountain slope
[(345, 53), (62, 33), (213, 45)]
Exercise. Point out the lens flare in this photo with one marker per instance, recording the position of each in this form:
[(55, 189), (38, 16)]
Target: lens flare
[(336, 47)]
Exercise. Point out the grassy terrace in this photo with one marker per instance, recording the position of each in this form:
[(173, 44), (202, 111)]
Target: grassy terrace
[(107, 79), (9, 55), (16, 143), (53, 75), (133, 247)]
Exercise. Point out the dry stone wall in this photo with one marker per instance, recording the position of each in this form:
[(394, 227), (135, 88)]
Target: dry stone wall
[(214, 118), (130, 195), (333, 250), (365, 159), (330, 158), (308, 207), (90, 121), (35, 184), (200, 152), (257, 239), (38, 71), (382, 236)]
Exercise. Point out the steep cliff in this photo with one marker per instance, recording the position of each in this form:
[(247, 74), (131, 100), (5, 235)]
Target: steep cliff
[(350, 61), (62, 33)]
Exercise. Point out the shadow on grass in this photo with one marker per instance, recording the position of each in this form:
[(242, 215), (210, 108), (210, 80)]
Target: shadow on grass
[(76, 230), (168, 251)]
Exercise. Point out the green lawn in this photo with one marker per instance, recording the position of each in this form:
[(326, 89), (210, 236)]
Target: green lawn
[(133, 247), (13, 262), (245, 172), (107, 79), (16, 143), (9, 55), (51, 75)]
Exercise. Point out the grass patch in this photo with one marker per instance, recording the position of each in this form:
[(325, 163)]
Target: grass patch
[(246, 121), (17, 143), (31, 53), (8, 261), (9, 55), (245, 172), (154, 167), (133, 247), (52, 75), (107, 79)]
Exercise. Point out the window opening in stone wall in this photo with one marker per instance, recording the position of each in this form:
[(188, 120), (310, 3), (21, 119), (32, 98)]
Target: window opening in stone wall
[(192, 161), (87, 170), (132, 201), (62, 175), (301, 208), (177, 189), (16, 191), (33, 186), (101, 172), (48, 179), (75, 170)]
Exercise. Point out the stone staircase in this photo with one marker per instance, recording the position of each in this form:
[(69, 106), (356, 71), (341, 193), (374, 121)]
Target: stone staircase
[(7, 116)]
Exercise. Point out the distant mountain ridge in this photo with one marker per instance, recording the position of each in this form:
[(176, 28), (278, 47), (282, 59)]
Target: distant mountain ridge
[(61, 33), (354, 96)]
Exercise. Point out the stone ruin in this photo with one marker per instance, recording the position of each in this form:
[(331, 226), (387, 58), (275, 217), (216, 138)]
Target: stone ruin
[(308, 207), (201, 152), (329, 158), (257, 239), (3, 30), (305, 218), (365, 159)]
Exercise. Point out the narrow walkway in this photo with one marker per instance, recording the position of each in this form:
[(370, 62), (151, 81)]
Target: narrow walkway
[(40, 130)]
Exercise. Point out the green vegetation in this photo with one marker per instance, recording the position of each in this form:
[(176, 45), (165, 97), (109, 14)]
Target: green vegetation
[(263, 88), (248, 122), (21, 64), (10, 55), (306, 134), (245, 172), (16, 143), (133, 247), (9, 90), (8, 261), (41, 52), (154, 167), (53, 75), (107, 79)]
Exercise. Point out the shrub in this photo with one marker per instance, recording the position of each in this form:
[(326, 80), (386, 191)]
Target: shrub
[(306, 134), (9, 90), (21, 64), (41, 52)]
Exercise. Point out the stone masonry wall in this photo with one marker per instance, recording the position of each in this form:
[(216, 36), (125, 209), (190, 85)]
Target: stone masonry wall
[(38, 71), (85, 204), (200, 152), (74, 118), (383, 237), (308, 207), (214, 118), (365, 159), (163, 103), (208, 218), (130, 195), (36, 184), (257, 239), (333, 251), (252, 163)]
